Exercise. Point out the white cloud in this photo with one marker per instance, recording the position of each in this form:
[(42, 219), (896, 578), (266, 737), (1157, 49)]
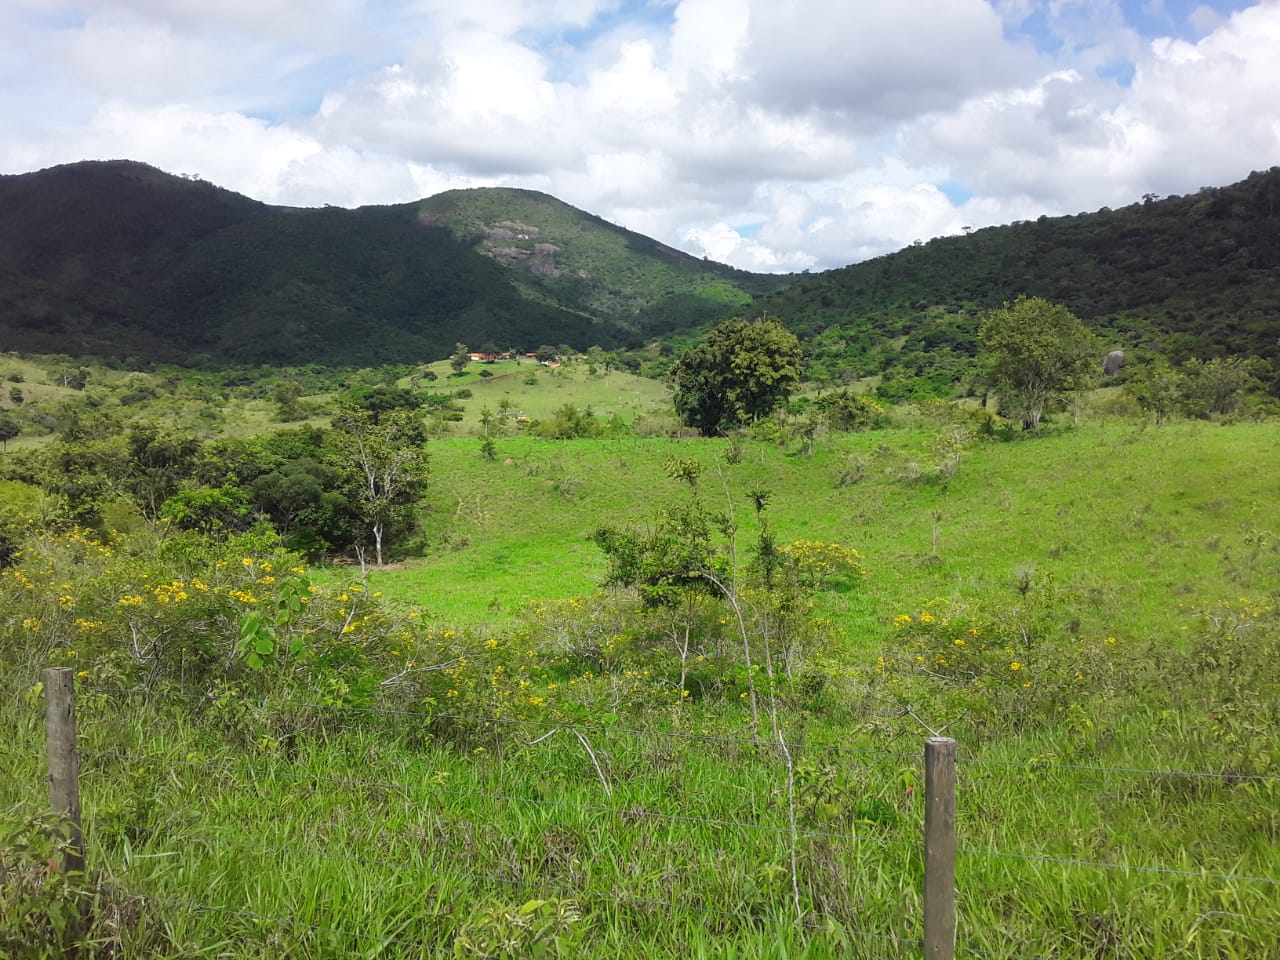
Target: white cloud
[(874, 62), (824, 125), (1194, 115)]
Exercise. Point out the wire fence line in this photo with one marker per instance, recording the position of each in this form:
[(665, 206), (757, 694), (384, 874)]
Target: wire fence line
[(1039, 764), (1121, 867), (576, 893), (634, 813), (654, 733), (428, 789), (248, 773)]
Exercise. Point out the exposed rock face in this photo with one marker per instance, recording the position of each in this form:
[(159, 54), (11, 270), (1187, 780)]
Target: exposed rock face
[(1115, 360)]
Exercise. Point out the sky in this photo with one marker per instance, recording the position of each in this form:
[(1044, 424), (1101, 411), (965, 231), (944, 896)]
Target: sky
[(775, 135)]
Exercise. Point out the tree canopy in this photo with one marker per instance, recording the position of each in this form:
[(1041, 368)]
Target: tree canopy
[(1035, 350), (738, 375)]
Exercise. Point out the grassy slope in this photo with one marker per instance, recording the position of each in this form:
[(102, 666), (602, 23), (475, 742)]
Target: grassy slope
[(1141, 523), (379, 838), (385, 836), (580, 261)]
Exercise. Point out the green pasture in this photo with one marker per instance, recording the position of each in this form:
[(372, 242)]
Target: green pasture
[(1140, 525), (1134, 816)]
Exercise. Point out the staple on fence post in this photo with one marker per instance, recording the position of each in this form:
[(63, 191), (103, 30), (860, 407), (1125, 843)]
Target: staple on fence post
[(64, 759), (939, 848)]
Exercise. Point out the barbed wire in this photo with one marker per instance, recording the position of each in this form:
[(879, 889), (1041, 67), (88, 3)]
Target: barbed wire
[(623, 899), (434, 948), (1124, 867), (1039, 764), (637, 813), (520, 721), (632, 813), (1047, 764)]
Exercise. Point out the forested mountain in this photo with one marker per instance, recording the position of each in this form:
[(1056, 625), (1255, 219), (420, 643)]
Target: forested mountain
[(120, 259), (1187, 276)]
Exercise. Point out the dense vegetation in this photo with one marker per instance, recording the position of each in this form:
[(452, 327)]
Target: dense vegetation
[(567, 257), (629, 692), (1192, 276), (120, 260)]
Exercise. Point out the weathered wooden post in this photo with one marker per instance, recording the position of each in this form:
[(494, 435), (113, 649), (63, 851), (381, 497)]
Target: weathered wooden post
[(939, 848), (64, 758)]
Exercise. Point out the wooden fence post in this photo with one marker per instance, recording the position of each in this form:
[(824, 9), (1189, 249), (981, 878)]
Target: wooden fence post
[(939, 848), (64, 758)]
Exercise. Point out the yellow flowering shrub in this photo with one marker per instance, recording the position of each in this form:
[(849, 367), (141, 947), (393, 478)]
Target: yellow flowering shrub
[(816, 563), (977, 665)]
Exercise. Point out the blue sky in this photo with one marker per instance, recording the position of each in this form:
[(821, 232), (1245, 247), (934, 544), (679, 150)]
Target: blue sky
[(772, 134)]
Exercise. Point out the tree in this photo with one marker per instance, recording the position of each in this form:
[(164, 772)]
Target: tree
[(742, 371), (389, 465), (1156, 388), (1035, 350), (9, 428), (461, 357), (159, 459), (1216, 387)]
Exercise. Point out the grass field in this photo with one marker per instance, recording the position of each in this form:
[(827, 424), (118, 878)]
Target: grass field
[(1142, 524), (1137, 817)]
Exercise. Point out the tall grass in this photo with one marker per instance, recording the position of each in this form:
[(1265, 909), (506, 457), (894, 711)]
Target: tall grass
[(1138, 821)]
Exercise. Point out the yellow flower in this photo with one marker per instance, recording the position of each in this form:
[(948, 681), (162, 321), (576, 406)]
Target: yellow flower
[(1109, 640), (1015, 665), (491, 644), (247, 561), (926, 618), (959, 641)]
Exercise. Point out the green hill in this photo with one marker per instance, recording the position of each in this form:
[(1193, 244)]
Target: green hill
[(560, 254), (1197, 275), (119, 259)]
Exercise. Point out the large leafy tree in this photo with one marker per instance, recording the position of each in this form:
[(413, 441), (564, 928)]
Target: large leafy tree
[(9, 429), (738, 375), (1035, 350), (384, 455)]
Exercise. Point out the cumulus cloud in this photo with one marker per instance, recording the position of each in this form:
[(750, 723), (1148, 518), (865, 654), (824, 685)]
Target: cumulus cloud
[(873, 62), (1194, 115), (771, 134)]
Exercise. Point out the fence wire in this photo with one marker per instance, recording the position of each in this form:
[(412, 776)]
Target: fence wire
[(670, 904), (632, 813), (639, 732), (1041, 765)]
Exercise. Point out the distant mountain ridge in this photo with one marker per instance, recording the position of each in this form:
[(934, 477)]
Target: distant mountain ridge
[(117, 258), (1195, 275)]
